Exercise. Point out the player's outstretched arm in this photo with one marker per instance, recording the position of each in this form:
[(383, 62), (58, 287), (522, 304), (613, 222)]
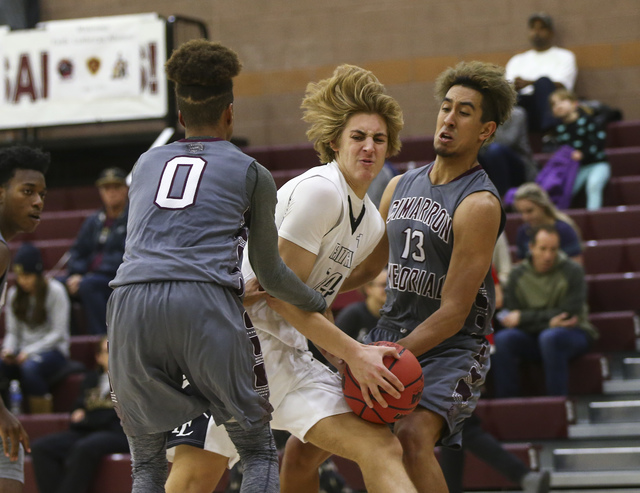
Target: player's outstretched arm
[(365, 362), (12, 434), (476, 223)]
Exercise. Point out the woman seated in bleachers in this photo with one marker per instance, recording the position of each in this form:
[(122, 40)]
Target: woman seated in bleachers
[(36, 346), (533, 203)]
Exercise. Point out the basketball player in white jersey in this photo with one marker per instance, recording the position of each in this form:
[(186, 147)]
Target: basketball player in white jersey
[(326, 226)]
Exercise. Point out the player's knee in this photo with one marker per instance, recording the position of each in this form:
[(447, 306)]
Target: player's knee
[(384, 448), (302, 457), (191, 480), (394, 447), (410, 443), (197, 484), (417, 441)]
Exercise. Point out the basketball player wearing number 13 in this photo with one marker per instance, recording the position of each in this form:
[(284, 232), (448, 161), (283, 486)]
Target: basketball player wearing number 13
[(177, 304), (442, 224)]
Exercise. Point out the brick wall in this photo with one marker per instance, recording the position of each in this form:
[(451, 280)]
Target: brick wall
[(286, 43)]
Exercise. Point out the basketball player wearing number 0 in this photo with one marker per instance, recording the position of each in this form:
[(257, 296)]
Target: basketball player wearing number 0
[(442, 223), (177, 304), (327, 225)]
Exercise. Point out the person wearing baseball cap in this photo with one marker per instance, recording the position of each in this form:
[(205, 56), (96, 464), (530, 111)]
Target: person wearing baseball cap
[(541, 70), (111, 176), (97, 252), (542, 17)]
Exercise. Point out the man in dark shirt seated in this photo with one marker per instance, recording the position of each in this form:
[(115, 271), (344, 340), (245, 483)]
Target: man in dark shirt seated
[(97, 252), (66, 462), (545, 317)]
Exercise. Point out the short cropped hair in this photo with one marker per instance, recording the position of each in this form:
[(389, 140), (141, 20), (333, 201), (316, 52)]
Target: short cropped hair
[(203, 73), (549, 228), (498, 95), (21, 157), (329, 103)]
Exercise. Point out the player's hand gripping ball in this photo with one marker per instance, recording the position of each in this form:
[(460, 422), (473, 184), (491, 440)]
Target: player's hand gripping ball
[(408, 371)]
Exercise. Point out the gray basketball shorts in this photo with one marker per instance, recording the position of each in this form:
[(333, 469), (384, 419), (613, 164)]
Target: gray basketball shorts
[(12, 470), (303, 392), (159, 332), (454, 372)]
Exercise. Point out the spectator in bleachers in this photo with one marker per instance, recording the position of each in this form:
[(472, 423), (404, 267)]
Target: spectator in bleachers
[(36, 345), (545, 317), (537, 209), (579, 130), (98, 249), (501, 259), (357, 319), (508, 159), (486, 447), (541, 70), (66, 462)]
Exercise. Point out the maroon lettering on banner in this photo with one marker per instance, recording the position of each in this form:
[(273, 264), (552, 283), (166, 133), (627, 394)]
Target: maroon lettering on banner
[(24, 79), (44, 70), (153, 80), (148, 71)]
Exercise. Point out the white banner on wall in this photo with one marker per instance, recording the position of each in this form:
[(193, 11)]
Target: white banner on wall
[(100, 69)]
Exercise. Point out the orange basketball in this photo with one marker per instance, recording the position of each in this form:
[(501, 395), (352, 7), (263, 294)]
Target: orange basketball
[(407, 369)]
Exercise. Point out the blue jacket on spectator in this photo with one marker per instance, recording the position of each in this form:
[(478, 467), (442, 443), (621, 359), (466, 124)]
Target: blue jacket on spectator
[(92, 251)]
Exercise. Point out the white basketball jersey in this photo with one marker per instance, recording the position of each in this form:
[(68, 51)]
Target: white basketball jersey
[(342, 246)]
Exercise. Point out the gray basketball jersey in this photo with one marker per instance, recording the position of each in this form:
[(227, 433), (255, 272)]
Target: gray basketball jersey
[(420, 232), (188, 202)]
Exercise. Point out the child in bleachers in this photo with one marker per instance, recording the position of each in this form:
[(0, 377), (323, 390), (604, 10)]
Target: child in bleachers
[(36, 346), (581, 131)]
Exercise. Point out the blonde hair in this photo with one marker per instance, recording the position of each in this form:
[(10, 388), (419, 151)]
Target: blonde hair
[(498, 94), (329, 103), (534, 193), (563, 94)]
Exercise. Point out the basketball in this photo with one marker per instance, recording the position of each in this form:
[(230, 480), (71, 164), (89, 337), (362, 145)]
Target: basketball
[(408, 371)]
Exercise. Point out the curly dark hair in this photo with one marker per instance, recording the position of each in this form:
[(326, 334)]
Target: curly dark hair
[(22, 157), (203, 73), (498, 94)]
